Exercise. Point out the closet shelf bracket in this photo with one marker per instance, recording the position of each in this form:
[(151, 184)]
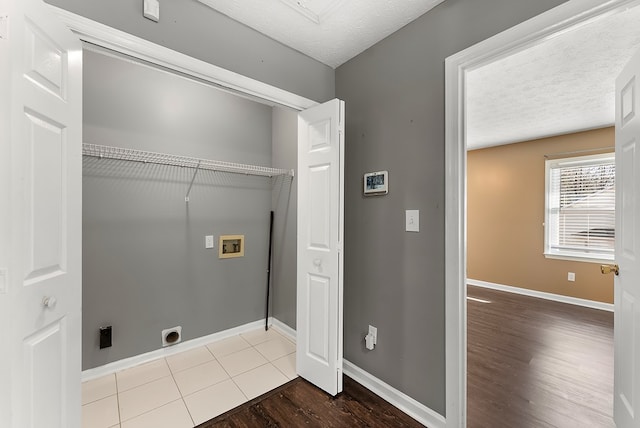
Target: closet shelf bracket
[(186, 198)]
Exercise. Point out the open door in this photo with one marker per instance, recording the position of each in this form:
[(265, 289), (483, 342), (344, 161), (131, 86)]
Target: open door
[(320, 239), (40, 218), (627, 248)]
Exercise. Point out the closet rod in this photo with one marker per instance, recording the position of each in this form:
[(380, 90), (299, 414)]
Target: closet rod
[(120, 153)]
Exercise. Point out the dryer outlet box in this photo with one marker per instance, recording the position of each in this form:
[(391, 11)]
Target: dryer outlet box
[(171, 336)]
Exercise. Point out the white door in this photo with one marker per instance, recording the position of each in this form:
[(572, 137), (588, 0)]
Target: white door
[(40, 218), (320, 238), (627, 248)]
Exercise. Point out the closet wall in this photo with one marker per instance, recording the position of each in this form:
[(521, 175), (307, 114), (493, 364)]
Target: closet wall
[(285, 205), (145, 267)]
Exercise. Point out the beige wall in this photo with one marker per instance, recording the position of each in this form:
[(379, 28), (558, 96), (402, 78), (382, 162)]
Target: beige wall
[(505, 217)]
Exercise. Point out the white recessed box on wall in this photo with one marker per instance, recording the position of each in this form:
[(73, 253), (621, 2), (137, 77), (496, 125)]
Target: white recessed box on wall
[(231, 246)]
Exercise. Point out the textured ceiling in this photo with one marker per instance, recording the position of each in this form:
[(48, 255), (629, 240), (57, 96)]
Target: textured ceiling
[(331, 31), (563, 85)]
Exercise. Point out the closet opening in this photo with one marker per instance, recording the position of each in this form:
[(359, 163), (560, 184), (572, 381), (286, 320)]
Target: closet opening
[(175, 169)]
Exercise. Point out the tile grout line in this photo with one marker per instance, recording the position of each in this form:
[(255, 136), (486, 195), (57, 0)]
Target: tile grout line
[(153, 410), (193, 423), (148, 382), (231, 377), (118, 400), (182, 396), (206, 346)]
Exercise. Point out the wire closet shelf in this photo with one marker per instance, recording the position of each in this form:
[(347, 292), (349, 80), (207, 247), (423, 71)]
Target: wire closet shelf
[(133, 155)]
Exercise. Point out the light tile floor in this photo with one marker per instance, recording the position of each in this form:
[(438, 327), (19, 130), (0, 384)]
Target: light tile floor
[(187, 389)]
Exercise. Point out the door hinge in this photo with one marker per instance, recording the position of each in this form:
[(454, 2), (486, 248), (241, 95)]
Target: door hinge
[(4, 279), (4, 27)]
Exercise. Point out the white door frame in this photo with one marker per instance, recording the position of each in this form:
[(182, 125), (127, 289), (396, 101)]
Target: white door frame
[(119, 41), (529, 33)]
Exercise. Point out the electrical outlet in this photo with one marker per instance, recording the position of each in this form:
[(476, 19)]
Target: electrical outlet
[(373, 331), (571, 276), (208, 241), (371, 338), (105, 337)]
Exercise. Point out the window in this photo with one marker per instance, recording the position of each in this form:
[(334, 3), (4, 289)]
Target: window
[(580, 207)]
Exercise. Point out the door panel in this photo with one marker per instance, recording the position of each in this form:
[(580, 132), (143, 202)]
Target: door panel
[(44, 198), (45, 355), (41, 362), (320, 210), (320, 270), (318, 308), (45, 62), (627, 247)]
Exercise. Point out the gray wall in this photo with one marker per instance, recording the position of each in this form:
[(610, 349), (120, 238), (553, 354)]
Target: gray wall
[(285, 203), (192, 28), (394, 280), (145, 267)]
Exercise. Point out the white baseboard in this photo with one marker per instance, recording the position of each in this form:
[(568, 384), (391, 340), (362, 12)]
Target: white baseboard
[(284, 329), (398, 399), (126, 363), (408, 405), (542, 295)]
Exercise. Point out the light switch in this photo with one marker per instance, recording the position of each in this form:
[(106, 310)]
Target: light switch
[(412, 222), (208, 241)]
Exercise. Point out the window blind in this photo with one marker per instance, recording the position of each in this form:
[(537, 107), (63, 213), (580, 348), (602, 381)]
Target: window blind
[(581, 206)]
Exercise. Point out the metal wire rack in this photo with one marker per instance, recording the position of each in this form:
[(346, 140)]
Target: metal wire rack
[(133, 155)]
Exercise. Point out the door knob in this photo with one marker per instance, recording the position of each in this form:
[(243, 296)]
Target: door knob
[(609, 268), (49, 301)]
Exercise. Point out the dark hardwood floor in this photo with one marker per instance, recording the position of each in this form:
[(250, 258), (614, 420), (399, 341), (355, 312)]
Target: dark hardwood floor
[(537, 363), (531, 363), (300, 404)]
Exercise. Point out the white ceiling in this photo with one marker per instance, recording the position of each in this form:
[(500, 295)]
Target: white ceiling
[(331, 31), (563, 85)]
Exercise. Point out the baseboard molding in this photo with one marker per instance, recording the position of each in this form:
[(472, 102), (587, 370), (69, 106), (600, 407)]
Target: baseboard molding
[(542, 295), (283, 328), (187, 345), (408, 405), (398, 399)]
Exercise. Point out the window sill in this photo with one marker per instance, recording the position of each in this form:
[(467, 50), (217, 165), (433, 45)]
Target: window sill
[(599, 260)]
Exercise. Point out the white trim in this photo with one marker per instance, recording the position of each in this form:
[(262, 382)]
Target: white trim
[(543, 295), (579, 259), (99, 34), (282, 328), (398, 399), (534, 31), (589, 256), (127, 363)]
